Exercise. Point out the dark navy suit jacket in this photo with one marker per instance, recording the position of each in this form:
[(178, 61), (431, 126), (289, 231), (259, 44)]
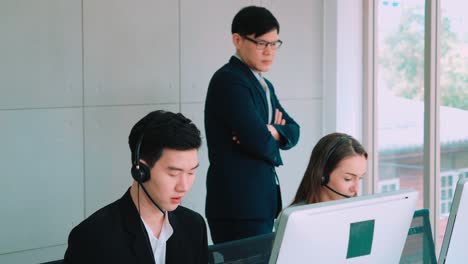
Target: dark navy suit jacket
[(115, 234), (241, 177)]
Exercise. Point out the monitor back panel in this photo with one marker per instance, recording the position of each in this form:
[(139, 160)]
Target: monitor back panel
[(367, 229)]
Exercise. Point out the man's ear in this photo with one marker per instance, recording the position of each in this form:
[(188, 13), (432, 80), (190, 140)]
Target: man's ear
[(236, 40)]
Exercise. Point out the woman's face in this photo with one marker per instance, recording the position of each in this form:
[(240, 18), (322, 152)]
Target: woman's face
[(345, 178)]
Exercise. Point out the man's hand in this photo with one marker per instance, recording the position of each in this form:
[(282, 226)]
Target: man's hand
[(279, 118), (278, 121), (274, 132)]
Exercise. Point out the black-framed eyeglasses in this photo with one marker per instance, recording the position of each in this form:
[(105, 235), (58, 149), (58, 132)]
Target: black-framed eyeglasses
[(261, 44)]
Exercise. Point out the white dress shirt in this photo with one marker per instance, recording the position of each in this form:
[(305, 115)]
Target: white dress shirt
[(159, 245)]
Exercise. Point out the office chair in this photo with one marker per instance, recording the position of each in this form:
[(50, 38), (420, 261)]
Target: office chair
[(251, 250), (419, 245)]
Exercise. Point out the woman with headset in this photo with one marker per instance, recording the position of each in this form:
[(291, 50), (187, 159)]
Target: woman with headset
[(337, 164)]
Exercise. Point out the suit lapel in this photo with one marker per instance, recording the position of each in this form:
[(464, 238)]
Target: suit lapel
[(136, 233), (174, 244), (254, 82)]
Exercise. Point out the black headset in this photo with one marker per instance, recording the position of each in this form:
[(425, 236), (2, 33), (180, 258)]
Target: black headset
[(140, 171), (326, 176)]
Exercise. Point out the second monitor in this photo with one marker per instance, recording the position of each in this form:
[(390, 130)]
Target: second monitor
[(366, 229)]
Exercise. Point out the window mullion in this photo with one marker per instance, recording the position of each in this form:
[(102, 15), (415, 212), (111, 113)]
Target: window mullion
[(370, 96), (431, 111)]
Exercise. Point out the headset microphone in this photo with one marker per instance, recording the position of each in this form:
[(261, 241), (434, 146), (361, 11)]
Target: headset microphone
[(151, 199), (335, 191), (142, 173)]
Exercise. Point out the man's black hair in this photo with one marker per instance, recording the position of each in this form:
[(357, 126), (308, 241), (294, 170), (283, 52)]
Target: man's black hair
[(254, 20), (159, 130)]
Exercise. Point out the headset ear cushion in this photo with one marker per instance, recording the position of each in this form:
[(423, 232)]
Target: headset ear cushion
[(324, 179), (140, 174), (145, 172)]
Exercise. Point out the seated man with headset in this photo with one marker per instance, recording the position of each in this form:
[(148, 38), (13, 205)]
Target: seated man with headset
[(148, 225)]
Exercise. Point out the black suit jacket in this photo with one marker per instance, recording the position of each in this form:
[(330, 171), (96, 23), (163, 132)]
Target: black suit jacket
[(241, 177), (114, 234)]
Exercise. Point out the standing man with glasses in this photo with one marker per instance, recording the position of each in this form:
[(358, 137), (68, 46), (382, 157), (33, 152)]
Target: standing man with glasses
[(246, 126)]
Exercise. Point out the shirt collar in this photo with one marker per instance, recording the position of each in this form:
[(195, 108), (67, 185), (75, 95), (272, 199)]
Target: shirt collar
[(166, 230), (258, 75)]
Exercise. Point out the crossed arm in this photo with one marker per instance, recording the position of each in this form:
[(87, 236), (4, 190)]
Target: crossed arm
[(274, 133)]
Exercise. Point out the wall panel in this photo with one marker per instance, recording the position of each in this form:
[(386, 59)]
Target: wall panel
[(40, 54), (42, 177), (131, 52)]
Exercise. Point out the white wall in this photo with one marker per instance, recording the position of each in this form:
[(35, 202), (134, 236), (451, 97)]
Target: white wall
[(41, 128), (342, 67), (76, 75)]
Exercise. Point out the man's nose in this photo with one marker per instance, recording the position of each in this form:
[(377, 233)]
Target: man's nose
[(182, 184)]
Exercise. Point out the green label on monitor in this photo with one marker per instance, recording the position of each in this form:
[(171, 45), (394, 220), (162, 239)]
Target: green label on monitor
[(361, 235)]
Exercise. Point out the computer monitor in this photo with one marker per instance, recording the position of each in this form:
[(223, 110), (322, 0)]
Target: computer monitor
[(365, 229), (454, 245)]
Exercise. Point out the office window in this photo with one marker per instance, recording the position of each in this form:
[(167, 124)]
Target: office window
[(453, 101), (400, 93), (399, 59)]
